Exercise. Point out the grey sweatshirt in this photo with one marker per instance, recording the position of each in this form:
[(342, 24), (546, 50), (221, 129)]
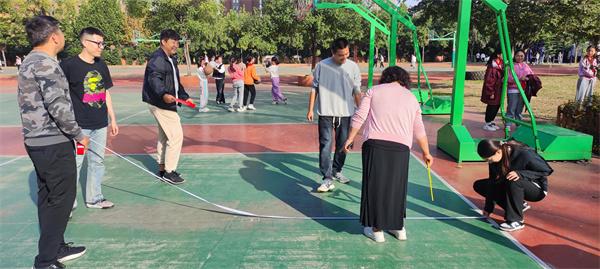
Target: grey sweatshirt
[(44, 102), (335, 85)]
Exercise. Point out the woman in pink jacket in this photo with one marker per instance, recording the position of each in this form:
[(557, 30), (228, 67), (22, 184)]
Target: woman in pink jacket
[(392, 117), (515, 101)]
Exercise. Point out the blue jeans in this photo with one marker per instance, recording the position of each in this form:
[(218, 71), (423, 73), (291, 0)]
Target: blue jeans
[(515, 107), (95, 168), (327, 125)]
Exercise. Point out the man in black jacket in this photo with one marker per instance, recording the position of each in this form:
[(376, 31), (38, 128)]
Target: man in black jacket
[(162, 87)]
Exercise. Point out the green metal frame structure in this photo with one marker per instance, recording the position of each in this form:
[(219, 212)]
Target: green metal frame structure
[(551, 142), (430, 104)]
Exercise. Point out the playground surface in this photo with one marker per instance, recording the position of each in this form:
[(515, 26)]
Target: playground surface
[(266, 162)]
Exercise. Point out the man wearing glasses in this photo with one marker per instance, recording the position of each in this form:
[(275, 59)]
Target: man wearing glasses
[(89, 81)]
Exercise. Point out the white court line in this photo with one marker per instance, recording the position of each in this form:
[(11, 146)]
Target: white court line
[(249, 214), (10, 161), (506, 234), (131, 116)]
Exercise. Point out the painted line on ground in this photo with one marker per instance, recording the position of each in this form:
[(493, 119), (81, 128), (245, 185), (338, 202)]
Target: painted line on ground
[(13, 160), (249, 214)]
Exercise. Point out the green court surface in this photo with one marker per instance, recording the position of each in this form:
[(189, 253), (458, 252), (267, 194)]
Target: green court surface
[(131, 110), (155, 225)]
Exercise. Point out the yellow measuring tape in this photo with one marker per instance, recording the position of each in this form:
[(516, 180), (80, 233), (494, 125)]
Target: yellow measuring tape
[(430, 182)]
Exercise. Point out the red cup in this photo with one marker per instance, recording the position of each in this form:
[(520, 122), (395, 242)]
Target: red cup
[(80, 149)]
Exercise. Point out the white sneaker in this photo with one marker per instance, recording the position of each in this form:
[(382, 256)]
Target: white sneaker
[(341, 178), (251, 107), (399, 234), (274, 103), (489, 127), (203, 109), (511, 227), (326, 186), (231, 109), (493, 124), (102, 204), (375, 236), (241, 109)]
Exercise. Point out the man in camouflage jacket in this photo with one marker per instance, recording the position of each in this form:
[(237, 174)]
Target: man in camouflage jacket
[(49, 128)]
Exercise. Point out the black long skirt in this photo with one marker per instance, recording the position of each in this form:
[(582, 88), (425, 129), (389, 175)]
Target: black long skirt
[(384, 184)]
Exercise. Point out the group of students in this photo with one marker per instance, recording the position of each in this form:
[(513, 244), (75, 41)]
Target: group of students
[(389, 113), (244, 78), (531, 84)]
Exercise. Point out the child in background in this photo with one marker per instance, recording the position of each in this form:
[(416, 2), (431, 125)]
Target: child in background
[(250, 78), (273, 70), (203, 69), (236, 72)]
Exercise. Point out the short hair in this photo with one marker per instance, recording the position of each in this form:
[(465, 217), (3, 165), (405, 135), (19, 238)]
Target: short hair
[(395, 74), (249, 58), (169, 34), (275, 60), (338, 44), (90, 31), (39, 29)]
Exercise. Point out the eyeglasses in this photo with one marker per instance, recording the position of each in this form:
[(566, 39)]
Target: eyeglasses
[(100, 44)]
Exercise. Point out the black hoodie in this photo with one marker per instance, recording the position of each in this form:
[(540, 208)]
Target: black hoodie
[(527, 164)]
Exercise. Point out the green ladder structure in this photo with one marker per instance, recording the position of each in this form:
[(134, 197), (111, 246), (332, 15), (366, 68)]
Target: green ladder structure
[(430, 104), (550, 141)]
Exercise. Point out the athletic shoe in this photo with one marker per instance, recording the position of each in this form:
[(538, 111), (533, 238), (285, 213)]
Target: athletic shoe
[(341, 178), (399, 234), (326, 186), (511, 227), (66, 252), (526, 206), (489, 127), (173, 178), (56, 265), (241, 109), (231, 109), (206, 109), (102, 204), (274, 103), (160, 173), (375, 236), (251, 107), (493, 124), (285, 101)]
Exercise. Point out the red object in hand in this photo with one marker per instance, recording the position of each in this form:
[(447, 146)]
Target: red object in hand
[(80, 149), (186, 103)]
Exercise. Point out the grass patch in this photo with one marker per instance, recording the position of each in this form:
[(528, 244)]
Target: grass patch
[(556, 90)]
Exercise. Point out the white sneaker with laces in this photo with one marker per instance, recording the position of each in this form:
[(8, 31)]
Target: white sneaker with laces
[(493, 124), (326, 186), (511, 227), (341, 178), (375, 236), (203, 109), (251, 107), (102, 204), (489, 127), (241, 109), (399, 234)]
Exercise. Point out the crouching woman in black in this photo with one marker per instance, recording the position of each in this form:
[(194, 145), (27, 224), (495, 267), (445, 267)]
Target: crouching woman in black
[(516, 174)]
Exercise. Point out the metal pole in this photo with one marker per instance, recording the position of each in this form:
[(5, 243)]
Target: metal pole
[(458, 87), (371, 55)]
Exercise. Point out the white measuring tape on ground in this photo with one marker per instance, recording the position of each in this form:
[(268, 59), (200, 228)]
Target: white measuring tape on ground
[(249, 214)]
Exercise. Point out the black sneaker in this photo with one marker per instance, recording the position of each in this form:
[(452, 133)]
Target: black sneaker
[(56, 265), (160, 173), (66, 252), (173, 178)]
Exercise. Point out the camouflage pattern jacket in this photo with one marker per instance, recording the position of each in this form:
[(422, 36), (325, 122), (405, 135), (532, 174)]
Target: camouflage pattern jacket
[(44, 102)]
